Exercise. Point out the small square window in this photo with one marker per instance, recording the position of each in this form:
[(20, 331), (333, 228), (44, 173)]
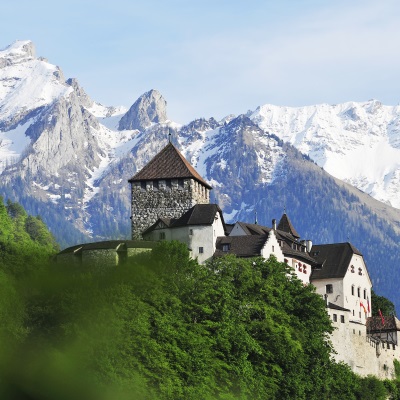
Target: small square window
[(201, 250), (329, 288)]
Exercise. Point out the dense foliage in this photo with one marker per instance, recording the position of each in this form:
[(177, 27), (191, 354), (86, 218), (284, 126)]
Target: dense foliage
[(382, 303), (24, 240), (164, 327)]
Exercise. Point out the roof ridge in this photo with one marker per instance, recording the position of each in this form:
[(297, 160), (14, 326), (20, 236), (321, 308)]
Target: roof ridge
[(169, 163)]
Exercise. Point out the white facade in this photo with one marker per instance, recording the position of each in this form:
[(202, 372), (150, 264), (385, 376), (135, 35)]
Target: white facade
[(200, 239), (353, 291)]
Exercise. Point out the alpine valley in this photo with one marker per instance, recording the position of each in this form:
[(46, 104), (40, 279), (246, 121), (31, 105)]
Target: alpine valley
[(334, 168)]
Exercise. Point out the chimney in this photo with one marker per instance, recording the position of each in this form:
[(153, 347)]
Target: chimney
[(274, 224)]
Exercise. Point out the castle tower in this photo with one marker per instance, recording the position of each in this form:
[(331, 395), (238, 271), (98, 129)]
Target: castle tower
[(166, 187)]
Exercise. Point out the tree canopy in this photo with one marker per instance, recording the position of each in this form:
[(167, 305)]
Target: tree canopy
[(161, 326)]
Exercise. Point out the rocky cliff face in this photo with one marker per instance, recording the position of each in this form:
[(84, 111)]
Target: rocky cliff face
[(147, 109)]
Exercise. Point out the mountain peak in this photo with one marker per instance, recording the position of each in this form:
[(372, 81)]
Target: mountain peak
[(19, 51), (149, 108)]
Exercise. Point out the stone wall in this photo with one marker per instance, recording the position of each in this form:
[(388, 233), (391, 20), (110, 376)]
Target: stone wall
[(163, 198), (364, 355)]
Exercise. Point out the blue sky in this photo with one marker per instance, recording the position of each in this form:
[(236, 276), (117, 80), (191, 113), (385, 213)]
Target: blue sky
[(213, 58)]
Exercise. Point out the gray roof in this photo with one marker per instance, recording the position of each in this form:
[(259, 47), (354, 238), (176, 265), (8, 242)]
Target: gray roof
[(287, 239), (336, 307), (241, 246), (253, 229), (333, 259), (200, 214)]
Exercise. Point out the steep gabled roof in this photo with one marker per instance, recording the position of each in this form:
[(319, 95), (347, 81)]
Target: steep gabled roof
[(241, 246), (286, 226), (333, 258), (200, 214), (169, 163)]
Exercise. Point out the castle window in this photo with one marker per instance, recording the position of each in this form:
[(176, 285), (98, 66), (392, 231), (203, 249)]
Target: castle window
[(155, 185), (168, 184), (162, 235), (225, 247), (342, 319), (180, 184), (191, 232), (359, 271), (365, 294), (334, 317), (201, 250), (359, 292), (352, 269), (352, 290), (143, 185), (304, 268), (329, 288), (273, 248)]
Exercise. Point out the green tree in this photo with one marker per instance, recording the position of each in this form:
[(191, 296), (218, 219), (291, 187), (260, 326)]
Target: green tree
[(383, 304)]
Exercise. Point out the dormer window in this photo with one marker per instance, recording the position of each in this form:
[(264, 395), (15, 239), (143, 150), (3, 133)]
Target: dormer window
[(225, 247)]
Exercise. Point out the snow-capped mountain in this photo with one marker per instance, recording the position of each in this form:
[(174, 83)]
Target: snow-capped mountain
[(68, 158), (355, 142)]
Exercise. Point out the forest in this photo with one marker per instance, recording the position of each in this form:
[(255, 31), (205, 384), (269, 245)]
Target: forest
[(161, 326)]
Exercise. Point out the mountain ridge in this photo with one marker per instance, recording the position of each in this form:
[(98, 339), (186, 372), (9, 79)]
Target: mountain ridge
[(67, 159)]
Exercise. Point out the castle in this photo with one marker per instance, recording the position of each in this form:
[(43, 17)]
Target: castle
[(171, 201)]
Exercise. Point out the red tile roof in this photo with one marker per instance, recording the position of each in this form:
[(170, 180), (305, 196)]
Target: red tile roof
[(169, 163)]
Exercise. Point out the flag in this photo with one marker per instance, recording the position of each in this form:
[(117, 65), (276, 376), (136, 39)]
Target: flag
[(362, 305), (383, 319)]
